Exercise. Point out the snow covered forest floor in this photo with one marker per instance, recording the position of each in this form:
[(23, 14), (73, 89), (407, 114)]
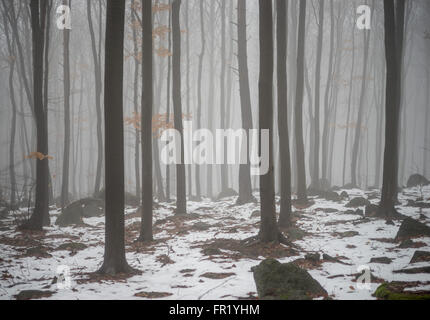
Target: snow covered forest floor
[(202, 255)]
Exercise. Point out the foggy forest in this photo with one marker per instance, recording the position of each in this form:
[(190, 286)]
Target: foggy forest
[(215, 149)]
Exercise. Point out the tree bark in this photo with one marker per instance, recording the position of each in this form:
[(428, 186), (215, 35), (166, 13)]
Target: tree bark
[(66, 86), (245, 185), (284, 143), (300, 152), (146, 121), (114, 257), (394, 26), (181, 200), (268, 226)]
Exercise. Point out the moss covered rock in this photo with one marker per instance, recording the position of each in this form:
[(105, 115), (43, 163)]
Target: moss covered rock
[(358, 202), (394, 291), (285, 282)]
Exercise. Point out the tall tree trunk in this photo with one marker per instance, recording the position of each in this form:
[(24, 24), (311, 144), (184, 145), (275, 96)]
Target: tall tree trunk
[(199, 91), (11, 53), (98, 92), (146, 121), (284, 143), (268, 227), (181, 199), (168, 98), (426, 131), (327, 111), (114, 257), (316, 164), (394, 28), (135, 100), (357, 135), (245, 185), (66, 84), (187, 48), (300, 152), (38, 14), (224, 167), (351, 87)]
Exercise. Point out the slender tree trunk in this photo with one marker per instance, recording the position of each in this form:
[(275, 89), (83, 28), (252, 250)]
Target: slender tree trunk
[(146, 121), (66, 84), (268, 227), (181, 199), (187, 48), (284, 143), (41, 210), (357, 136), (98, 92), (327, 111), (348, 116), (11, 53), (300, 152), (394, 28), (245, 185), (316, 164), (168, 97), (135, 101), (199, 91), (224, 167)]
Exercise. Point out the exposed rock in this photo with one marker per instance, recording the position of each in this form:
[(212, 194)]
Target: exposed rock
[(327, 210), (215, 275), (256, 214), (211, 251), (314, 257), (227, 193), (84, 208), (285, 282), (419, 204), (33, 294), (417, 180), (332, 196), (414, 270), (408, 243), (420, 256), (93, 208), (152, 295), (383, 260), (411, 228), (72, 246), (201, 226), (371, 210), (39, 252), (344, 195), (346, 234), (394, 291), (357, 202)]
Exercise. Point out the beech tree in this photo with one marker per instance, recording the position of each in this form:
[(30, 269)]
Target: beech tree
[(147, 101), (394, 14), (114, 256)]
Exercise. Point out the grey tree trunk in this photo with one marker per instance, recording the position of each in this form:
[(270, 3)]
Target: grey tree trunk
[(146, 121), (114, 256), (181, 199), (394, 29), (284, 143), (66, 86), (245, 185), (300, 152), (98, 92), (268, 226), (316, 164)]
